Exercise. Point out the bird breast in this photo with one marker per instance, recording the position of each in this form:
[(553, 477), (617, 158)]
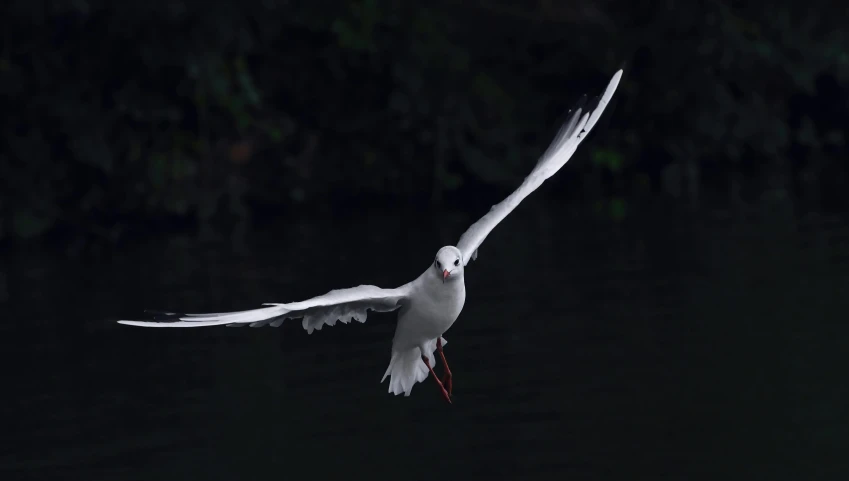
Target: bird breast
[(446, 302), (430, 313)]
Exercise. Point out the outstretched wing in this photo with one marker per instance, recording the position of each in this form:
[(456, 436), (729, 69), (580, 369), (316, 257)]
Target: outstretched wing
[(561, 149), (337, 305)]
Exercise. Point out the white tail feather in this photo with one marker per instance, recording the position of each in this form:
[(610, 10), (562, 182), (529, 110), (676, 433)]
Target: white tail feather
[(406, 368)]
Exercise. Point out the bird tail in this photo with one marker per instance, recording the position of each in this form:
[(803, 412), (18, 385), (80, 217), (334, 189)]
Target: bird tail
[(406, 368)]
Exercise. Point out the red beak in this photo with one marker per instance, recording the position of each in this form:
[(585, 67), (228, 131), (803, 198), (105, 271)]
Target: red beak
[(445, 274)]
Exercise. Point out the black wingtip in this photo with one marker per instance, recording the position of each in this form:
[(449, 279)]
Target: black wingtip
[(579, 104), (163, 316)]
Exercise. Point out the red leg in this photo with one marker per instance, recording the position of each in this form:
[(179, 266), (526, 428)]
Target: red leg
[(446, 379), (438, 382)]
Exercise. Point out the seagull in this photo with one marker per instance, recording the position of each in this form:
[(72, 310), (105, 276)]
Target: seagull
[(428, 306)]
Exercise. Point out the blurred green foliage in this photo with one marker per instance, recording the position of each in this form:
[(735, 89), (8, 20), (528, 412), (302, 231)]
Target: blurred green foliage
[(119, 112)]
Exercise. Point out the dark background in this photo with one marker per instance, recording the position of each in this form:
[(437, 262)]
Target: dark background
[(671, 305)]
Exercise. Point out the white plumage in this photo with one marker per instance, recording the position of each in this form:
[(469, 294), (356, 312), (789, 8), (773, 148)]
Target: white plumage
[(427, 306)]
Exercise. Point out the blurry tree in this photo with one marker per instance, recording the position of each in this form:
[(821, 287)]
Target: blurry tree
[(127, 114)]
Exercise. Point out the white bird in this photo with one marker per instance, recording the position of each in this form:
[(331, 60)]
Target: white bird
[(429, 305)]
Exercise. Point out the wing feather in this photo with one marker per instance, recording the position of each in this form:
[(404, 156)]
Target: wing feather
[(558, 153), (327, 309)]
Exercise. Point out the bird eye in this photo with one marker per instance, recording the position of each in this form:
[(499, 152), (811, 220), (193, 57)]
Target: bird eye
[(457, 262), (438, 265)]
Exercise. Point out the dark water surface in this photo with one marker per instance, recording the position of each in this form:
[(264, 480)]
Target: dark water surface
[(670, 346)]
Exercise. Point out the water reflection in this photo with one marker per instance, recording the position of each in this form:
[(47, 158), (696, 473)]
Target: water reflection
[(670, 346)]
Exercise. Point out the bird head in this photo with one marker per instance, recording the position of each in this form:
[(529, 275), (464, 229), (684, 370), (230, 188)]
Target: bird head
[(448, 264)]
